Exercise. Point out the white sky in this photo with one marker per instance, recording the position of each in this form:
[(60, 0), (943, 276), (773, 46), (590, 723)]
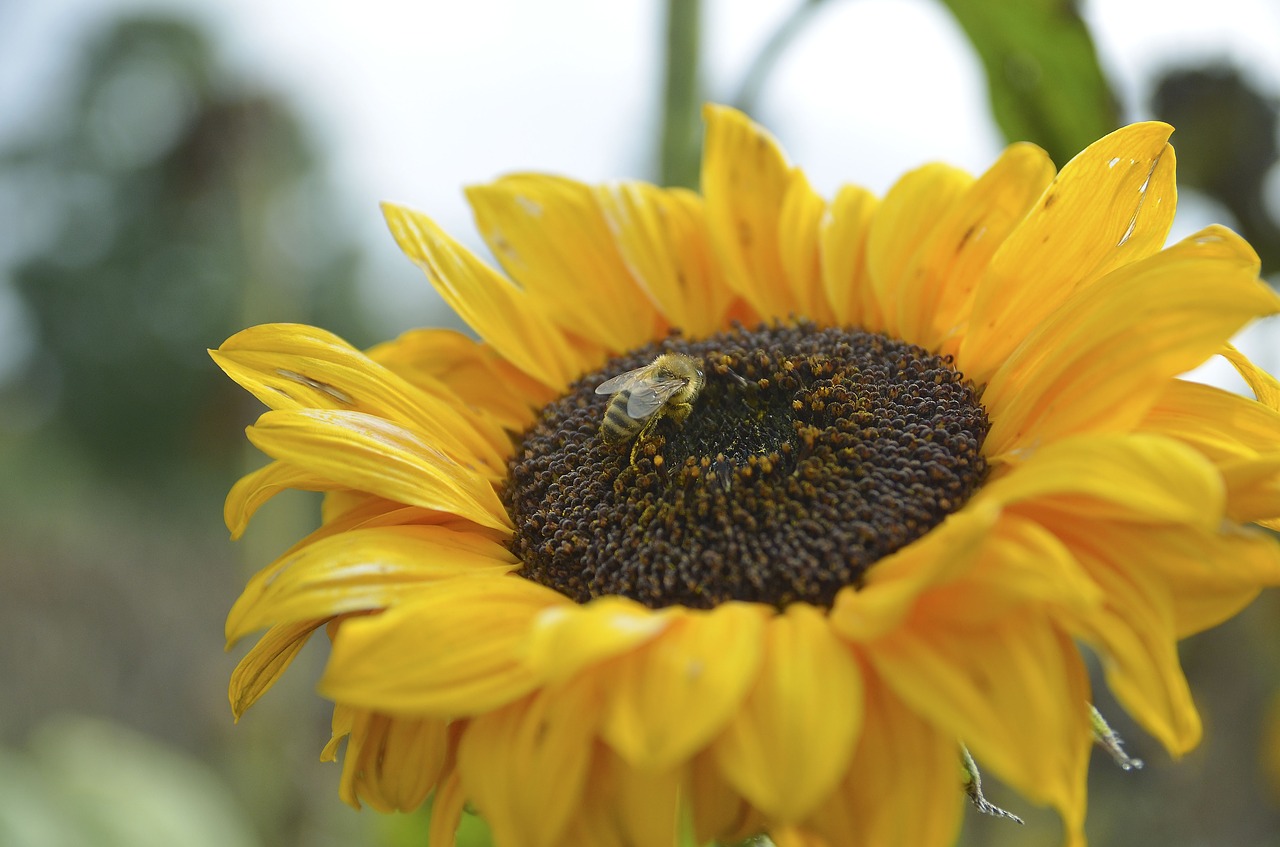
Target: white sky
[(415, 100)]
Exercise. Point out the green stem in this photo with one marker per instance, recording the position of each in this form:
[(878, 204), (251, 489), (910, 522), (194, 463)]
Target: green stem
[(758, 71), (679, 154)]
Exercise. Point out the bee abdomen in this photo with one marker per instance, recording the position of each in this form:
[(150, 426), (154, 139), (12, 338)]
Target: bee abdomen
[(617, 425)]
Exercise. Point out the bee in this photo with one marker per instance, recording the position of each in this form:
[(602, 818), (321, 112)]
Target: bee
[(641, 397)]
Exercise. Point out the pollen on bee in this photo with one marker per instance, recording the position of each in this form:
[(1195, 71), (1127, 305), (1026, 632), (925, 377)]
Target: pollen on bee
[(658, 460)]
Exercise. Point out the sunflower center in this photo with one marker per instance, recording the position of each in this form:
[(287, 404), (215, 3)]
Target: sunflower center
[(807, 455)]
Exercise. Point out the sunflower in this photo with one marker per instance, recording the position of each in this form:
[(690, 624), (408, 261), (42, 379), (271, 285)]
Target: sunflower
[(937, 447)]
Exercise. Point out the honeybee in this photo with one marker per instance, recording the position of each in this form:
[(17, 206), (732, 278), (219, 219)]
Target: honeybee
[(665, 386)]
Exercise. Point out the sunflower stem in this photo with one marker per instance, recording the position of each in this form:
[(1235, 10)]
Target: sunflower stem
[(760, 67), (1109, 740), (679, 154), (973, 788)]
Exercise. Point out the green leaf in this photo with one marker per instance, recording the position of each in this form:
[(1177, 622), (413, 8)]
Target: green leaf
[(1042, 72)]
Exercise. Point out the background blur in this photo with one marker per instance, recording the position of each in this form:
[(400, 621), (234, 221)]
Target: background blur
[(171, 172)]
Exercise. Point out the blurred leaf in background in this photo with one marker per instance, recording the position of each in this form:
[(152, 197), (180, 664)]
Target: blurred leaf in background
[(1226, 144), (1042, 70), (85, 782), (163, 210), (158, 204)]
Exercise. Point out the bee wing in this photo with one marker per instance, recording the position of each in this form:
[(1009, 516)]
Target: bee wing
[(614, 384), (648, 398)]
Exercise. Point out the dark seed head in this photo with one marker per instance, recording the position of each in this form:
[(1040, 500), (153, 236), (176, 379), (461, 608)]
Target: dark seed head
[(809, 454)]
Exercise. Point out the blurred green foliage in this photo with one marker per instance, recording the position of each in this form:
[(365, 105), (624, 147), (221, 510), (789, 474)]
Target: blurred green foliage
[(1227, 145), (1043, 76), (176, 209)]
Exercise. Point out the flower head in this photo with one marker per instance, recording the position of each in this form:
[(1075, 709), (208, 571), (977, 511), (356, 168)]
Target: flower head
[(935, 442)]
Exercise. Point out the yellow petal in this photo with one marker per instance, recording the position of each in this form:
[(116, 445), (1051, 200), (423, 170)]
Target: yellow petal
[(628, 807), (903, 785), (1136, 635), (663, 237), (373, 454), (500, 313), (1100, 361), (257, 487), (719, 812), (361, 570), (471, 370), (263, 665), (392, 763), (1265, 386), (1138, 478), (745, 178), (1013, 691), (843, 246), (1021, 561), (457, 650), (342, 722), (1253, 488), (291, 366), (902, 226), (569, 637), (1212, 576), (942, 278), (552, 238), (1219, 424), (524, 765), (1111, 205), (791, 741), (446, 812), (669, 698), (895, 582), (799, 231)]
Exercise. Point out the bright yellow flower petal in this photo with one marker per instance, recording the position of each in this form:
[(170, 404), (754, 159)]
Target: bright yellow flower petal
[(361, 570), (897, 580), (1015, 685), (901, 788), (392, 763), (290, 366), (502, 314), (846, 278), (525, 765), (1136, 634), (934, 304), (791, 742), (719, 812), (373, 454), (1217, 423), (255, 488), (1142, 478), (663, 237), (1112, 204), (627, 807), (442, 362), (908, 217), (552, 238), (566, 638), (446, 812), (1265, 386), (422, 656), (799, 224), (269, 658), (745, 178), (1099, 362), (673, 695)]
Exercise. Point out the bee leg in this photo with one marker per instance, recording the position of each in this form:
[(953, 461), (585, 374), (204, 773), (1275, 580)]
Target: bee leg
[(644, 430), (679, 412)]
